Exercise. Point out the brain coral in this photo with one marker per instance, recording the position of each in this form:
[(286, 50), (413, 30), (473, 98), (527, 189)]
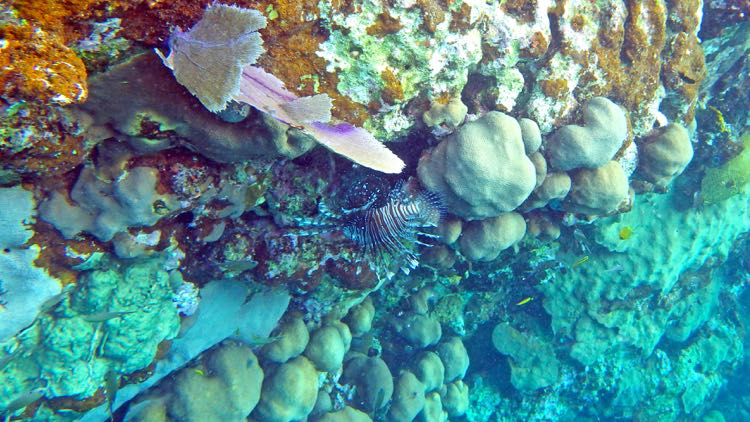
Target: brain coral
[(593, 144), (482, 170)]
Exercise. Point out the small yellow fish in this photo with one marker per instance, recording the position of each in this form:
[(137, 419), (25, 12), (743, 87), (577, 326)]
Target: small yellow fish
[(454, 280), (625, 233), (199, 372), (525, 301), (580, 261)]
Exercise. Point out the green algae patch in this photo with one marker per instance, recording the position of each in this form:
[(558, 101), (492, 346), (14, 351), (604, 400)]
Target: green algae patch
[(723, 182)]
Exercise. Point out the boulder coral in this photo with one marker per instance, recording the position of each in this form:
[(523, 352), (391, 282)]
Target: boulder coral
[(433, 409), (483, 240), (408, 398), (599, 191), (456, 398), (289, 393), (542, 227), (328, 345), (664, 154), (234, 381), (347, 414), (419, 330), (430, 371), (292, 337), (445, 116), (455, 358), (359, 319), (554, 187), (605, 128), (226, 387), (481, 170), (532, 137), (540, 166), (372, 378)]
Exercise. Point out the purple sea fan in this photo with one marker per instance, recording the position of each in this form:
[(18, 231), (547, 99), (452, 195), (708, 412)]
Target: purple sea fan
[(213, 60), (267, 93), (208, 59)]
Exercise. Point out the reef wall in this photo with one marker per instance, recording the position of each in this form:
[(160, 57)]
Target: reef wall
[(370, 210)]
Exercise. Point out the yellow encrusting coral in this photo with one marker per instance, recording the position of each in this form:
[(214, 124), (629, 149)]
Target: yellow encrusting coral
[(37, 62), (37, 65)]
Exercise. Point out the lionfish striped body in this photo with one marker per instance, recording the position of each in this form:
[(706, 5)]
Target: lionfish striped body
[(395, 226), (386, 226)]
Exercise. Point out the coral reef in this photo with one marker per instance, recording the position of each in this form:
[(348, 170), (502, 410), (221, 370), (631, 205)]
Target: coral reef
[(216, 66), (523, 211), (532, 362), (230, 377)]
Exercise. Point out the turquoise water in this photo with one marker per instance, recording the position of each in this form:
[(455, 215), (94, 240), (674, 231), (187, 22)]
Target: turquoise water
[(374, 211)]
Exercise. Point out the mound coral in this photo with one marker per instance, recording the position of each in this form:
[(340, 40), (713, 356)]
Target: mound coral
[(483, 240), (593, 144), (288, 393), (599, 191), (665, 153), (482, 170), (104, 209), (372, 378), (408, 398)]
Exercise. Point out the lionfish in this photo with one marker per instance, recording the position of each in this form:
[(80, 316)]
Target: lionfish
[(381, 225)]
